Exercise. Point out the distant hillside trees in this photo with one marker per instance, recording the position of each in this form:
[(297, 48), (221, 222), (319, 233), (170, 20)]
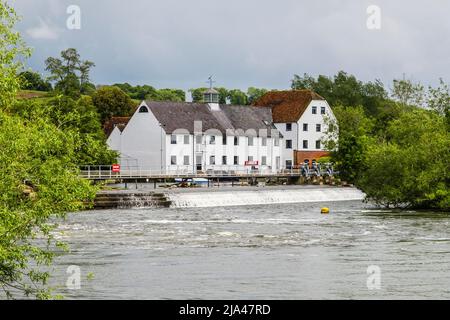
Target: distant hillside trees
[(33, 81), (70, 73), (345, 89), (146, 92), (233, 96)]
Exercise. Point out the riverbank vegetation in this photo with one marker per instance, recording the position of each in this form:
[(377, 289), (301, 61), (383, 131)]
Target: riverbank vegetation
[(395, 145), (44, 136)]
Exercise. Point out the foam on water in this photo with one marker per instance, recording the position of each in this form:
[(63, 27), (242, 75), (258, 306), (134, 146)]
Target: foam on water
[(260, 197)]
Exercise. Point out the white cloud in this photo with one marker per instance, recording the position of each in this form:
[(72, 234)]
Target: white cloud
[(44, 31)]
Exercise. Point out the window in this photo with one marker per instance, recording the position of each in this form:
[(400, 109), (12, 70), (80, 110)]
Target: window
[(143, 109), (250, 141), (186, 139), (305, 144), (288, 144), (318, 127), (212, 140), (264, 142), (173, 160), (288, 126), (224, 159), (186, 160), (236, 160), (317, 144), (305, 127), (250, 158), (263, 160), (288, 164), (322, 110), (276, 142), (212, 160), (236, 141), (173, 139), (314, 110), (277, 162), (224, 140), (198, 139)]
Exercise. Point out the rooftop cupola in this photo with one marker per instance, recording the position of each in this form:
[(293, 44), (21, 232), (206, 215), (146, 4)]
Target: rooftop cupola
[(211, 96)]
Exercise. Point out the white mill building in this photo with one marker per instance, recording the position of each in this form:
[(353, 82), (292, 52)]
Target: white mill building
[(182, 137)]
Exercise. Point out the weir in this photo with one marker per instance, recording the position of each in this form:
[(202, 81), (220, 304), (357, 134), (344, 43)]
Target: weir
[(120, 199), (223, 197), (266, 196)]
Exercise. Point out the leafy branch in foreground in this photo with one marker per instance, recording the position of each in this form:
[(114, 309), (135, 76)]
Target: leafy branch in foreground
[(39, 181)]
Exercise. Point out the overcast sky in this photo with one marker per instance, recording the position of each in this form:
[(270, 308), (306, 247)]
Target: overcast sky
[(178, 44)]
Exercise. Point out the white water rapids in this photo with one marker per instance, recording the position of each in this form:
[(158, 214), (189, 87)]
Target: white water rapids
[(219, 198)]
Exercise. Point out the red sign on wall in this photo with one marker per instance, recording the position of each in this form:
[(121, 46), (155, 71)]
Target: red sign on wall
[(251, 163), (116, 168)]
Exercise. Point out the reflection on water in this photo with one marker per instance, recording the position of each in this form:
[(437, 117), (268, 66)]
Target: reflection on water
[(283, 251)]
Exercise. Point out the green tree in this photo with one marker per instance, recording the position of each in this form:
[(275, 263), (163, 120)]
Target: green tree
[(70, 73), (408, 93), (39, 181), (438, 99), (347, 137), (254, 94), (174, 95), (79, 118), (33, 81), (410, 167), (345, 89), (12, 48), (237, 97), (223, 95), (112, 101)]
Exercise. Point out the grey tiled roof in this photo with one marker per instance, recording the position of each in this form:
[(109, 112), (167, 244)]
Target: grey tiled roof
[(182, 115)]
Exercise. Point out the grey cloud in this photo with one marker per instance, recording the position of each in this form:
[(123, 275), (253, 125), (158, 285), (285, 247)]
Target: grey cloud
[(246, 43)]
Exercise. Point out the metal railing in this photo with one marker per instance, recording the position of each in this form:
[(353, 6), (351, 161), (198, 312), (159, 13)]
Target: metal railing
[(106, 172)]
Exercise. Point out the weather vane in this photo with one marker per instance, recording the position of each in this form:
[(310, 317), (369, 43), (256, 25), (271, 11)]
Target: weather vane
[(210, 81)]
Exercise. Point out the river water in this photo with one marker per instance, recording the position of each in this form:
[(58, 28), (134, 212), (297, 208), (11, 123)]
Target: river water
[(277, 251)]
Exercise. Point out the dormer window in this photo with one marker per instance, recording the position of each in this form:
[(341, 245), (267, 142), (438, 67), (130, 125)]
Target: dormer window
[(143, 109)]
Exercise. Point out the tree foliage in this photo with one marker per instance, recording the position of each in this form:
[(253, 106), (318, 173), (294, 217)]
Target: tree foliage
[(12, 48), (233, 96), (111, 102), (347, 138), (411, 167), (33, 81), (147, 92), (70, 73), (345, 89), (39, 180)]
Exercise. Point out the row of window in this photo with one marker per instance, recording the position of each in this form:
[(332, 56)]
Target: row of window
[(305, 127), (212, 160), (305, 144), (212, 140)]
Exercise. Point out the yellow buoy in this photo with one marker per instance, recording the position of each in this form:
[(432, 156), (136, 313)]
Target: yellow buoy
[(324, 210)]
